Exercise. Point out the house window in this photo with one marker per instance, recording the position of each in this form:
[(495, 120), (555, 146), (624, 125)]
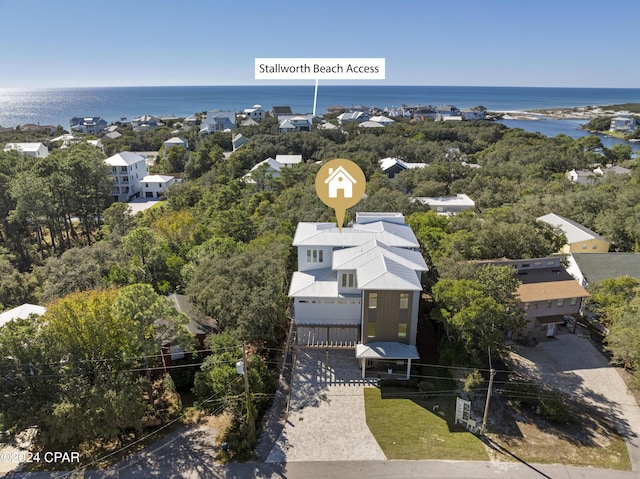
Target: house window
[(573, 301), (404, 300), (314, 255), (347, 280), (534, 306), (595, 246), (526, 306), (560, 303), (402, 330), (525, 265), (584, 246), (549, 303), (371, 330), (373, 300)]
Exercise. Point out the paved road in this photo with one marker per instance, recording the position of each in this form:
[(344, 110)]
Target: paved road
[(574, 366), (189, 453), (353, 470)]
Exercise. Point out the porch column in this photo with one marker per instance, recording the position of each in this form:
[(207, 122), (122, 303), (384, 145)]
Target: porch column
[(408, 368), (364, 365)]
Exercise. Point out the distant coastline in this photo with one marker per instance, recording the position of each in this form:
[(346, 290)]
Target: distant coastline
[(56, 106)]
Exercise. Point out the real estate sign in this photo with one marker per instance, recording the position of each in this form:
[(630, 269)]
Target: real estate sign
[(463, 411)]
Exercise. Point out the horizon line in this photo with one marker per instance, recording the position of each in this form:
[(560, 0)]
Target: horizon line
[(311, 85)]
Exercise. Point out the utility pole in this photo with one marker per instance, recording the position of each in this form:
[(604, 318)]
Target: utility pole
[(492, 373), (251, 422)]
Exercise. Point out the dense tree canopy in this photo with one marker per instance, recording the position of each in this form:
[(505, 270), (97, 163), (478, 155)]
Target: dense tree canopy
[(76, 372), (478, 312), (226, 242)]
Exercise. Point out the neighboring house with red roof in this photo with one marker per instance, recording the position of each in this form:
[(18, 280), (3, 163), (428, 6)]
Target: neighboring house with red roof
[(548, 293)]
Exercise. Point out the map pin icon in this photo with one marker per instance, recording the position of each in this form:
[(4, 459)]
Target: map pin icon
[(340, 184)]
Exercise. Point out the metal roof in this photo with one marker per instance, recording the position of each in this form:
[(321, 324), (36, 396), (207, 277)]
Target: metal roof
[(21, 312), (575, 232), (156, 179), (379, 266), (23, 146), (124, 158), (288, 159), (384, 350), (328, 234), (317, 283)]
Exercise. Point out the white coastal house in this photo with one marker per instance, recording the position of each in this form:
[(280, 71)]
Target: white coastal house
[(295, 123), (127, 170), (360, 288), (351, 116), (21, 312), (476, 113), (113, 135), (146, 122), (383, 120), (36, 150), (624, 122), (370, 124), (447, 205), (67, 140), (239, 140), (289, 160), (581, 177), (255, 113), (272, 166), (156, 186), (588, 177), (89, 125), (327, 126), (218, 120), (392, 166), (176, 141)]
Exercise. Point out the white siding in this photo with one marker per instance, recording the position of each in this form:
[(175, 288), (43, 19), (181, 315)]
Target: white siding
[(308, 260), (349, 279)]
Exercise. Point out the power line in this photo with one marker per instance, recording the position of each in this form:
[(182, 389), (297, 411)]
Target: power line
[(135, 358), (179, 418)]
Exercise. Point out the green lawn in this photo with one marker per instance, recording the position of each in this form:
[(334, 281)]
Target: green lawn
[(405, 429)]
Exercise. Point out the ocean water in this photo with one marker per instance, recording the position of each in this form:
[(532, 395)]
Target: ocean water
[(57, 106)]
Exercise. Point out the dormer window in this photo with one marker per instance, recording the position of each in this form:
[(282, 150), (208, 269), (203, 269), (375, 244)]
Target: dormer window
[(347, 280), (315, 256)]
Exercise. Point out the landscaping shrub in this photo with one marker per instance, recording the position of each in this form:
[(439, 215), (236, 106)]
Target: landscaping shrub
[(554, 407)]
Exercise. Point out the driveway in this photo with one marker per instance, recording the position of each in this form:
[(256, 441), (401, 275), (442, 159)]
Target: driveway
[(326, 419), (140, 204), (572, 365)]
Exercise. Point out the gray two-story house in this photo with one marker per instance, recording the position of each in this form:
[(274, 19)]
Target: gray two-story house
[(360, 288)]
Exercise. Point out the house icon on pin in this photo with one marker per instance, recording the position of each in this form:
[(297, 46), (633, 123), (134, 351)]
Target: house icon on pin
[(340, 179)]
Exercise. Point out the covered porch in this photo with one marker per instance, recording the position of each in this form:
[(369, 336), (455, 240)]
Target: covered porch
[(388, 359)]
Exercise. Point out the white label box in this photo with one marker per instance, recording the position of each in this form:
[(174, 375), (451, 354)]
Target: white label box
[(320, 68)]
